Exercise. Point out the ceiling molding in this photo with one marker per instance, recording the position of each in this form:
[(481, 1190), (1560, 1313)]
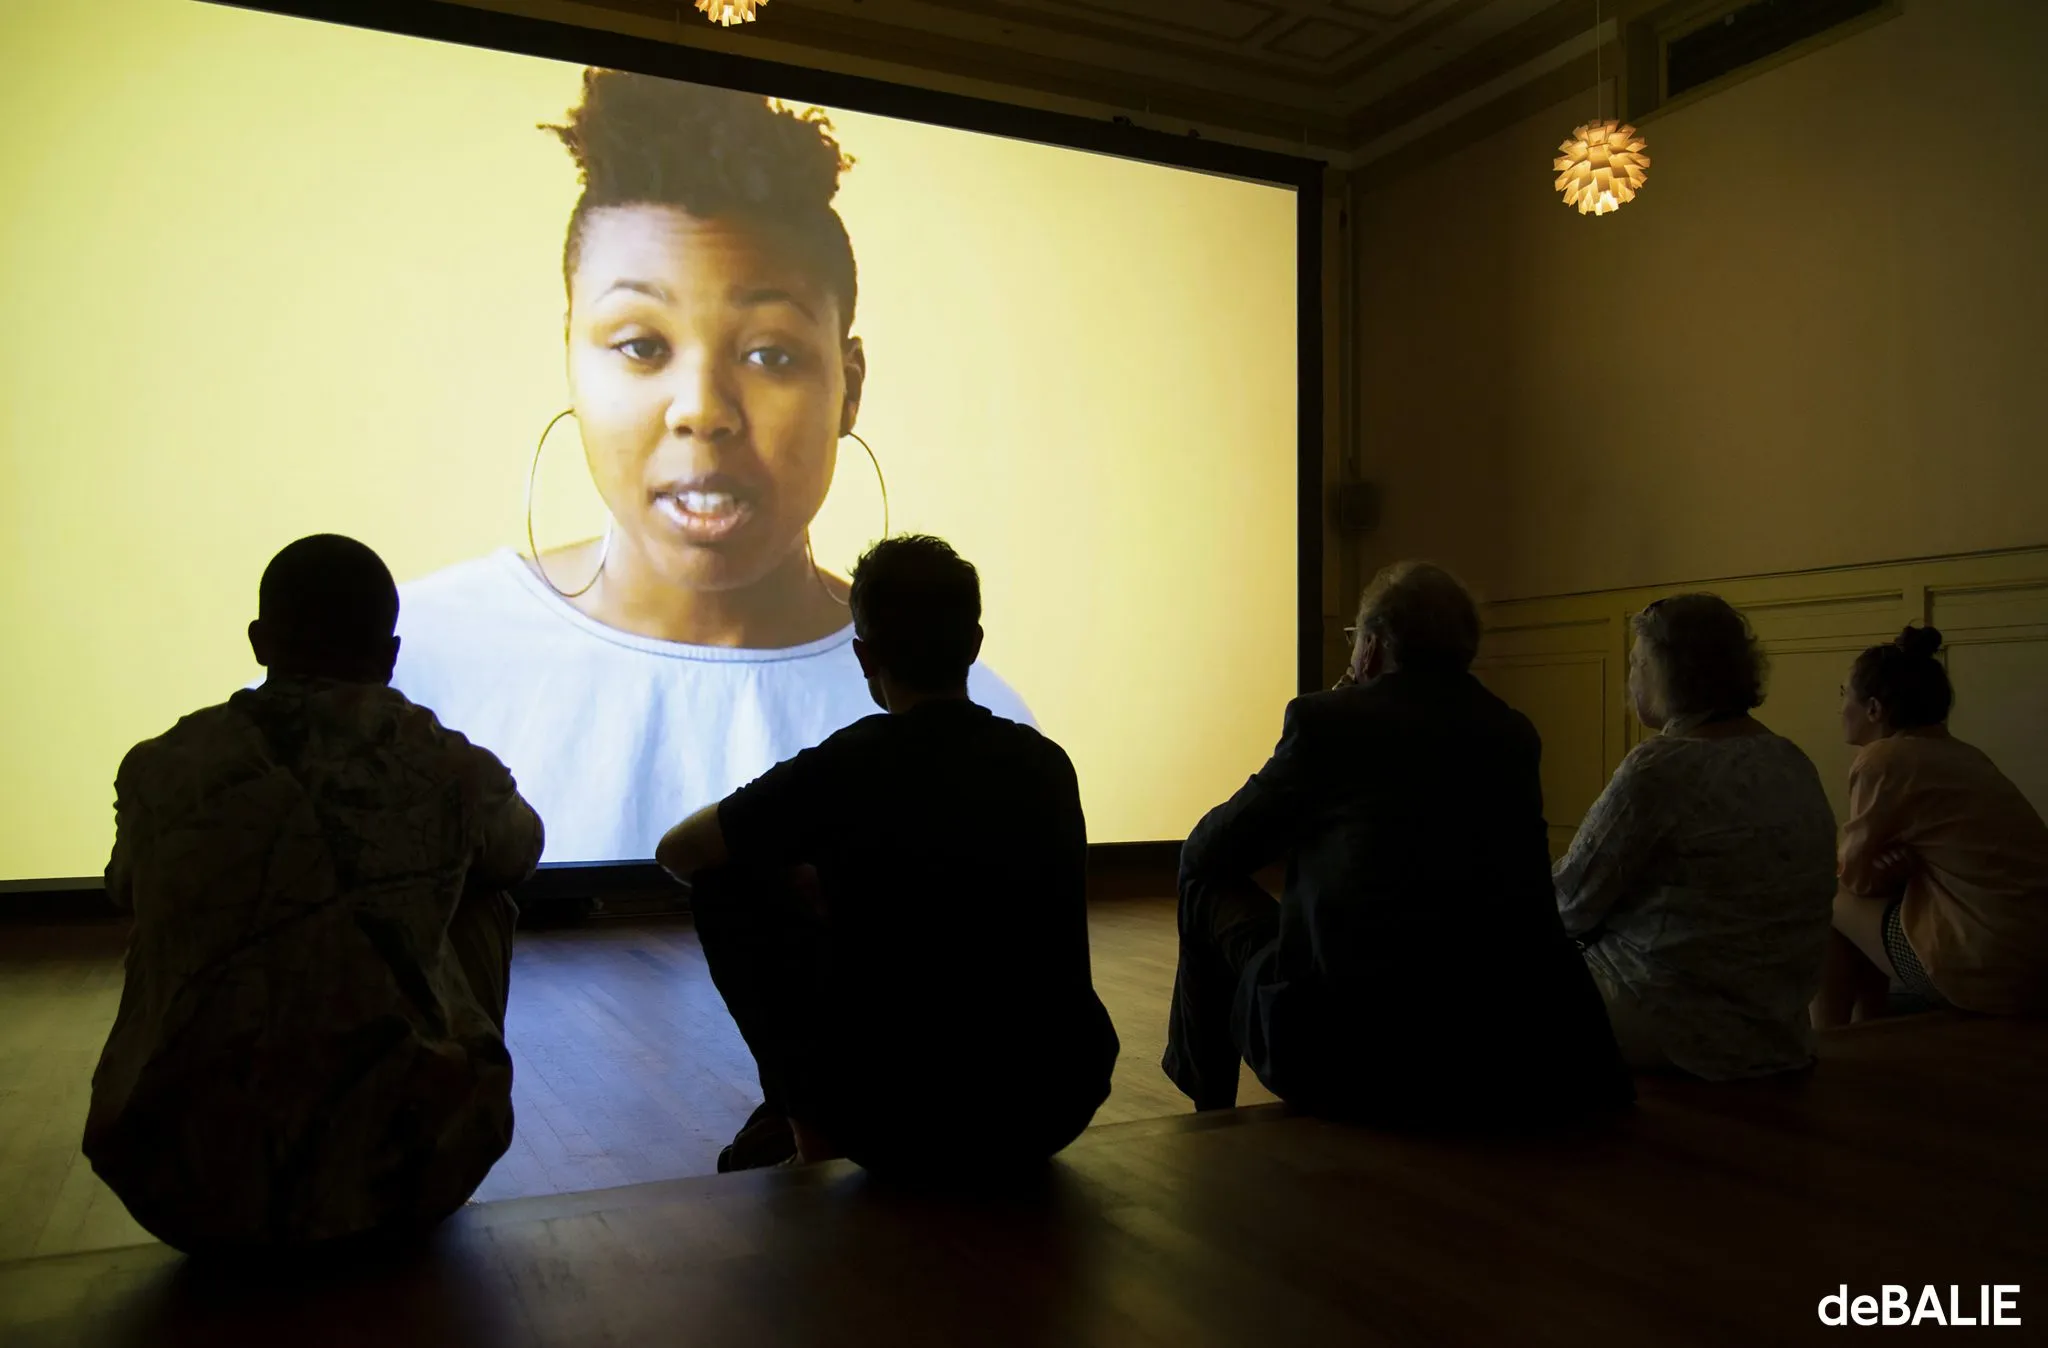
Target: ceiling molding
[(922, 49), (1482, 65), (1416, 35), (1366, 78), (1452, 128)]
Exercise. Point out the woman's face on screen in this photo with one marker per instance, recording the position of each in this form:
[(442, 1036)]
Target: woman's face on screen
[(712, 384)]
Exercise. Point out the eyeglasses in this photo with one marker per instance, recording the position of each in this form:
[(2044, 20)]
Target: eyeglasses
[(1351, 635)]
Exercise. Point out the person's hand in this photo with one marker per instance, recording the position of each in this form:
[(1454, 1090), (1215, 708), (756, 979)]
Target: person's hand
[(1344, 680), (1894, 863)]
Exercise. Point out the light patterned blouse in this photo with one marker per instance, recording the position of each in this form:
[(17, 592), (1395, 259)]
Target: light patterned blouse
[(1702, 885)]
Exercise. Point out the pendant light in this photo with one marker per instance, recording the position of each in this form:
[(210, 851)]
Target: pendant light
[(726, 13), (1602, 167)]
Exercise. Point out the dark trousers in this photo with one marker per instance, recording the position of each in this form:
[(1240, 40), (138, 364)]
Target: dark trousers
[(765, 944), (1224, 926), (906, 1106)]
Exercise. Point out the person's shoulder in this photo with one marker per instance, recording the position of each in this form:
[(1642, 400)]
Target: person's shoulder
[(1890, 754), (1658, 755), (1791, 776), (1959, 751), (1787, 750), (438, 750), (198, 746), (1507, 716), (871, 738), (1023, 738), (874, 728), (413, 720), (1321, 705), (1448, 701), (190, 733), (1327, 714), (1905, 755)]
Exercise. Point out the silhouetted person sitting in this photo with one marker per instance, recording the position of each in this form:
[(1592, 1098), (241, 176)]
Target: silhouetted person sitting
[(310, 1044), (897, 918), (1415, 972)]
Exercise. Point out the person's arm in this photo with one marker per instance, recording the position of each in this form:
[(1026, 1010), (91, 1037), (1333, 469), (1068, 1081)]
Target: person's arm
[(129, 828), (696, 844), (775, 819), (1610, 855), (511, 833), (1267, 816), (1871, 860)]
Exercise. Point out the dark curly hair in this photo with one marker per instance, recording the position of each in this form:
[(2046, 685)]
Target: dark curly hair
[(1904, 676), (1706, 660), (639, 140)]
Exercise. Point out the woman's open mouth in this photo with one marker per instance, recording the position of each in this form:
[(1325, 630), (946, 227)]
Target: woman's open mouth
[(705, 510)]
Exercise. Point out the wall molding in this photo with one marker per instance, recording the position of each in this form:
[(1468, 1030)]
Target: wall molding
[(1563, 660)]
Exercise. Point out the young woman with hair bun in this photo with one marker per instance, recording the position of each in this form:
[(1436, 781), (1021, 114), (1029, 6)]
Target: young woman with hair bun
[(1943, 863)]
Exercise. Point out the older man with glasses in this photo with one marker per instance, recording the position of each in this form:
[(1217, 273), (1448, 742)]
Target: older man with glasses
[(1415, 970)]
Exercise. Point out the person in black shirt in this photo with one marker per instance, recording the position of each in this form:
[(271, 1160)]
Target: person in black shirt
[(1415, 970), (897, 918)]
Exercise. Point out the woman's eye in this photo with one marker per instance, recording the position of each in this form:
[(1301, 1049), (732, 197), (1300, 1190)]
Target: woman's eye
[(645, 350), (771, 357)]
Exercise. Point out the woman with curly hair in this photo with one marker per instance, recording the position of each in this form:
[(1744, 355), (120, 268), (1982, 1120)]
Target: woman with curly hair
[(1944, 861), (1699, 884), (712, 371)]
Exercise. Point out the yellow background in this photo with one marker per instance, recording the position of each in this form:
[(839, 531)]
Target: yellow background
[(267, 277)]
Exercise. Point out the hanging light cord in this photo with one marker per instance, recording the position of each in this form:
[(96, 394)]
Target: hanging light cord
[(1599, 82)]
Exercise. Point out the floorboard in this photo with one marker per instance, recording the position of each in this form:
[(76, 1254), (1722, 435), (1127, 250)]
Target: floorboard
[(627, 1068), (1708, 1216)]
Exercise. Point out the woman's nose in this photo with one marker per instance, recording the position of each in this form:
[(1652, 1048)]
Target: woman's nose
[(701, 405)]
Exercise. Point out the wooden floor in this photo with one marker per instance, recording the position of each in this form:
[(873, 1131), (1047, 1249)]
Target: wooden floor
[(627, 1067), (1713, 1215)]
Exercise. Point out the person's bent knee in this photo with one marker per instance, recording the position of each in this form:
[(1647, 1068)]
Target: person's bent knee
[(1861, 918)]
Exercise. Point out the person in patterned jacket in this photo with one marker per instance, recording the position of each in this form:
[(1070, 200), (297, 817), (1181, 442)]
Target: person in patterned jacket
[(310, 1043)]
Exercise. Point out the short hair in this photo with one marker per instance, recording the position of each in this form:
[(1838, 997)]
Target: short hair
[(717, 154), (1706, 660), (1905, 676), (328, 596), (1423, 616), (917, 606)]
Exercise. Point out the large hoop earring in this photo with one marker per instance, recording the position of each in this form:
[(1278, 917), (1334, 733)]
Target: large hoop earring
[(532, 476), (881, 482)]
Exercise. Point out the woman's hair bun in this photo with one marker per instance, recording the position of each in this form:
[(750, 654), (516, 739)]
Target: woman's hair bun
[(643, 140), (1904, 675), (1919, 641)]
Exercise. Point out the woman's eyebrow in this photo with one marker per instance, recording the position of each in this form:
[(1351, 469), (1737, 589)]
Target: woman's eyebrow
[(751, 297), (648, 288)]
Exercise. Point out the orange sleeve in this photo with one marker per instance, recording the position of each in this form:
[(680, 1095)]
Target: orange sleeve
[(1876, 816)]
